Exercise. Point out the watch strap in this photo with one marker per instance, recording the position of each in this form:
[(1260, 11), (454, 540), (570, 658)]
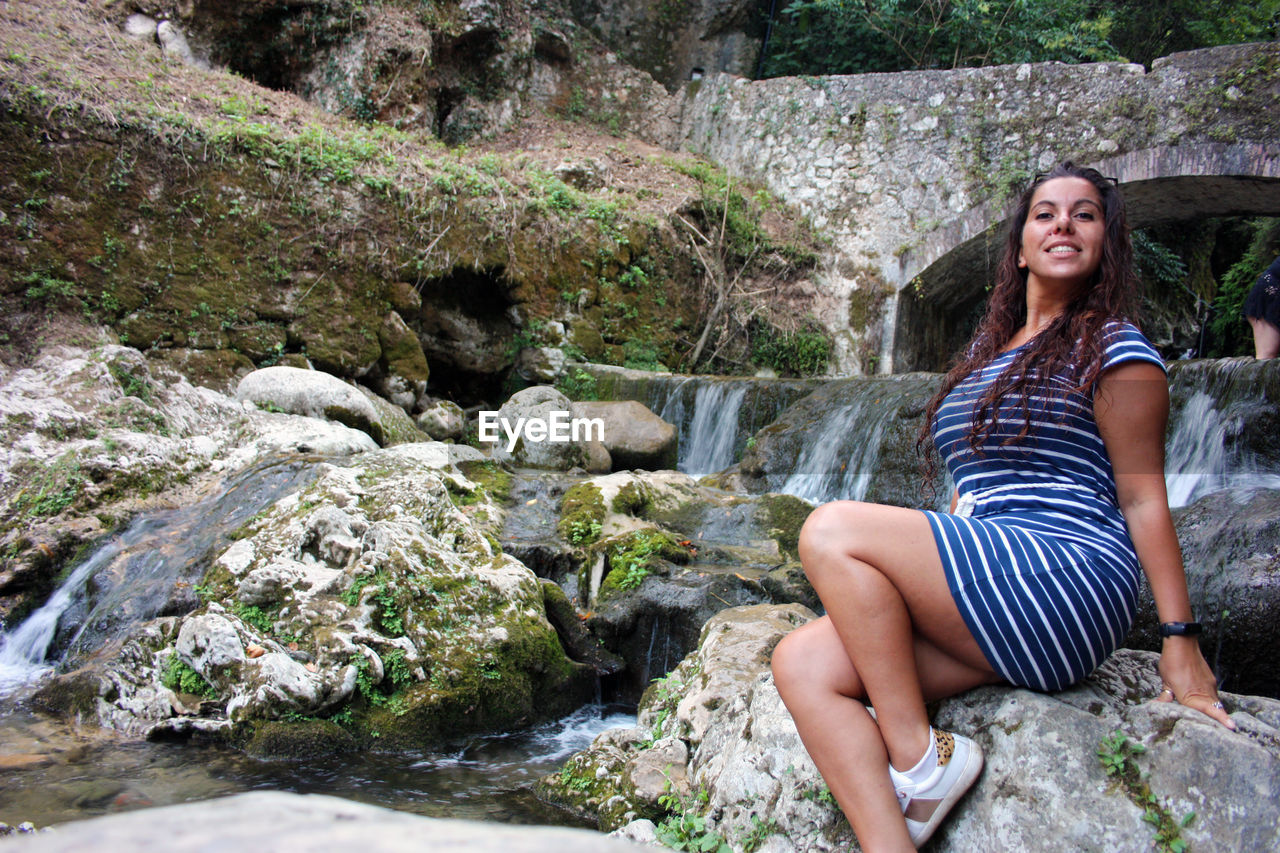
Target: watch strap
[(1180, 629)]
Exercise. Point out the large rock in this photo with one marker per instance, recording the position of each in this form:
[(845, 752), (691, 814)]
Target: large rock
[(1231, 547), (276, 820), (1043, 788), (634, 436), (368, 593), (539, 404), (315, 394), (91, 436)]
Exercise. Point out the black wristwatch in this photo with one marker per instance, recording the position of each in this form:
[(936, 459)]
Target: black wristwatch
[(1180, 629)]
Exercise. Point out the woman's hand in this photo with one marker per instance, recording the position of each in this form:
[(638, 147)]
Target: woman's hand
[(1189, 680)]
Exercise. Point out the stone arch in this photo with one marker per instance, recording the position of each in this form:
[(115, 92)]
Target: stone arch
[(944, 279)]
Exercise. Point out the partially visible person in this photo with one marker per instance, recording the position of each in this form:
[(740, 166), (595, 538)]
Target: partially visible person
[(1262, 310)]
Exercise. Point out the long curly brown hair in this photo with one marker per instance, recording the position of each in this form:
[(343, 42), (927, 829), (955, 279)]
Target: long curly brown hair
[(1070, 346)]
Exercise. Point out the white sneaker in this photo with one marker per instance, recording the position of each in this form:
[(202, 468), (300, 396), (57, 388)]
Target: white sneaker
[(925, 805)]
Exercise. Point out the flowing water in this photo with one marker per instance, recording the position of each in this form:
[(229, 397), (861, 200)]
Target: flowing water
[(146, 570), (53, 775), (1222, 432)]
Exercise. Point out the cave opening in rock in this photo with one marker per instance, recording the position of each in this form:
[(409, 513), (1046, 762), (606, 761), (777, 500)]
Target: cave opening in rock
[(467, 326)]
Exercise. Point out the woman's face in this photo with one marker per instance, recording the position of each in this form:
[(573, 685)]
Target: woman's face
[(1063, 235)]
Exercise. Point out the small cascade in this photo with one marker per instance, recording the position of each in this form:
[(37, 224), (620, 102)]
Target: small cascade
[(1222, 434), (840, 463), (146, 570), (708, 426)]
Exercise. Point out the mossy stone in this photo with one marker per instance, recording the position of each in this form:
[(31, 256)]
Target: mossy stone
[(785, 515), (299, 739)]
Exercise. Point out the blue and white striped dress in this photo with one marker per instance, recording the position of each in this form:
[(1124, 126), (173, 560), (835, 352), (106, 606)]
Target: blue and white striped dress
[(1037, 556)]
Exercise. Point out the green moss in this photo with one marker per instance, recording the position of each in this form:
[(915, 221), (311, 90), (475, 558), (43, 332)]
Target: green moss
[(180, 677), (785, 515), (634, 556), (492, 478), (867, 301), (635, 498), (582, 513), (298, 739)]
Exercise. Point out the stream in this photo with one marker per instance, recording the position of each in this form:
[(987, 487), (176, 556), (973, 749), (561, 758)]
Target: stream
[(52, 772)]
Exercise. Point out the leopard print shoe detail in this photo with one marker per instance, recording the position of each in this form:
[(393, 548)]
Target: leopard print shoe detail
[(946, 744)]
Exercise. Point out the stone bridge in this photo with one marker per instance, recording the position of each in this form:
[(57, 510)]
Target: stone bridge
[(913, 173)]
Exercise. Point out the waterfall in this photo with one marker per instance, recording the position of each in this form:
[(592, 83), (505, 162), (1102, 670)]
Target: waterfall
[(838, 465), (142, 571), (22, 653), (707, 443), (1198, 460)]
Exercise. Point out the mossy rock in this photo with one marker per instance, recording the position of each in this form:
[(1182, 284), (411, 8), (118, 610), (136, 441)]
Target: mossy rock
[(493, 480), (784, 515), (393, 425), (299, 739), (634, 499), (217, 369), (634, 556), (582, 513)]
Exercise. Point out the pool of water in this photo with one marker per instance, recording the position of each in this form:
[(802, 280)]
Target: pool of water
[(51, 773)]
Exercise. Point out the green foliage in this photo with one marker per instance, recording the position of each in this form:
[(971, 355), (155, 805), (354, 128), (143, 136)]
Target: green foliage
[(53, 489), (255, 616), (800, 353), (1145, 30), (578, 385), (178, 676), (581, 515), (857, 36), (634, 556), (1117, 753), (131, 385), (684, 828), (1156, 262), (641, 355)]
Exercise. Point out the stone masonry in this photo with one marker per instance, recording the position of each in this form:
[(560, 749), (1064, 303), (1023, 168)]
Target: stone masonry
[(902, 169)]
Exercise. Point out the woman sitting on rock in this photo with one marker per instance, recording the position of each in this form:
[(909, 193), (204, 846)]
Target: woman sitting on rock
[(1052, 427)]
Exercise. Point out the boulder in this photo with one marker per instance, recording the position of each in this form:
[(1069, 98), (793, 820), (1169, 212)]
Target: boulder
[(403, 366), (315, 394), (1044, 785), (443, 420), (394, 425), (276, 820), (634, 436), (541, 364), (366, 592), (140, 27), (540, 404), (1231, 548)]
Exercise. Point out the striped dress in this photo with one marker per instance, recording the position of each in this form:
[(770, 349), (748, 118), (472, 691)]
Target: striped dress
[(1037, 555)]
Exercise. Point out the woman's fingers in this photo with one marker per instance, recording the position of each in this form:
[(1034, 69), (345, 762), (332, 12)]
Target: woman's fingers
[(1207, 703)]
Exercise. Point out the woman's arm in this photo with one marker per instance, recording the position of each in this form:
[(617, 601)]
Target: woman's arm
[(1132, 408)]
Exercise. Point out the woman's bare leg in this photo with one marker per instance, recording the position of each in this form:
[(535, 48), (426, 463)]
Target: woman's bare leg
[(822, 691), (1266, 338), (894, 624)]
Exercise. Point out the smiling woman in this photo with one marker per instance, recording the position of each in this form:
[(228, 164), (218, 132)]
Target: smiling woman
[(1032, 578)]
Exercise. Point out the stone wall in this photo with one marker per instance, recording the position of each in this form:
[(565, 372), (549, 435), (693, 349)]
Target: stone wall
[(884, 161)]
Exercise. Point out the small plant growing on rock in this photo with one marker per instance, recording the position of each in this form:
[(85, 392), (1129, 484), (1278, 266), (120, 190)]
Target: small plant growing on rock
[(180, 677), (684, 828), (1117, 752)]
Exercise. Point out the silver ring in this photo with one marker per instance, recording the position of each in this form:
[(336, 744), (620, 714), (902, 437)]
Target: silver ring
[(1218, 705)]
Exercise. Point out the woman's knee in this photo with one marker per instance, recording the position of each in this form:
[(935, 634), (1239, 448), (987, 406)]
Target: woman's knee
[(830, 528)]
